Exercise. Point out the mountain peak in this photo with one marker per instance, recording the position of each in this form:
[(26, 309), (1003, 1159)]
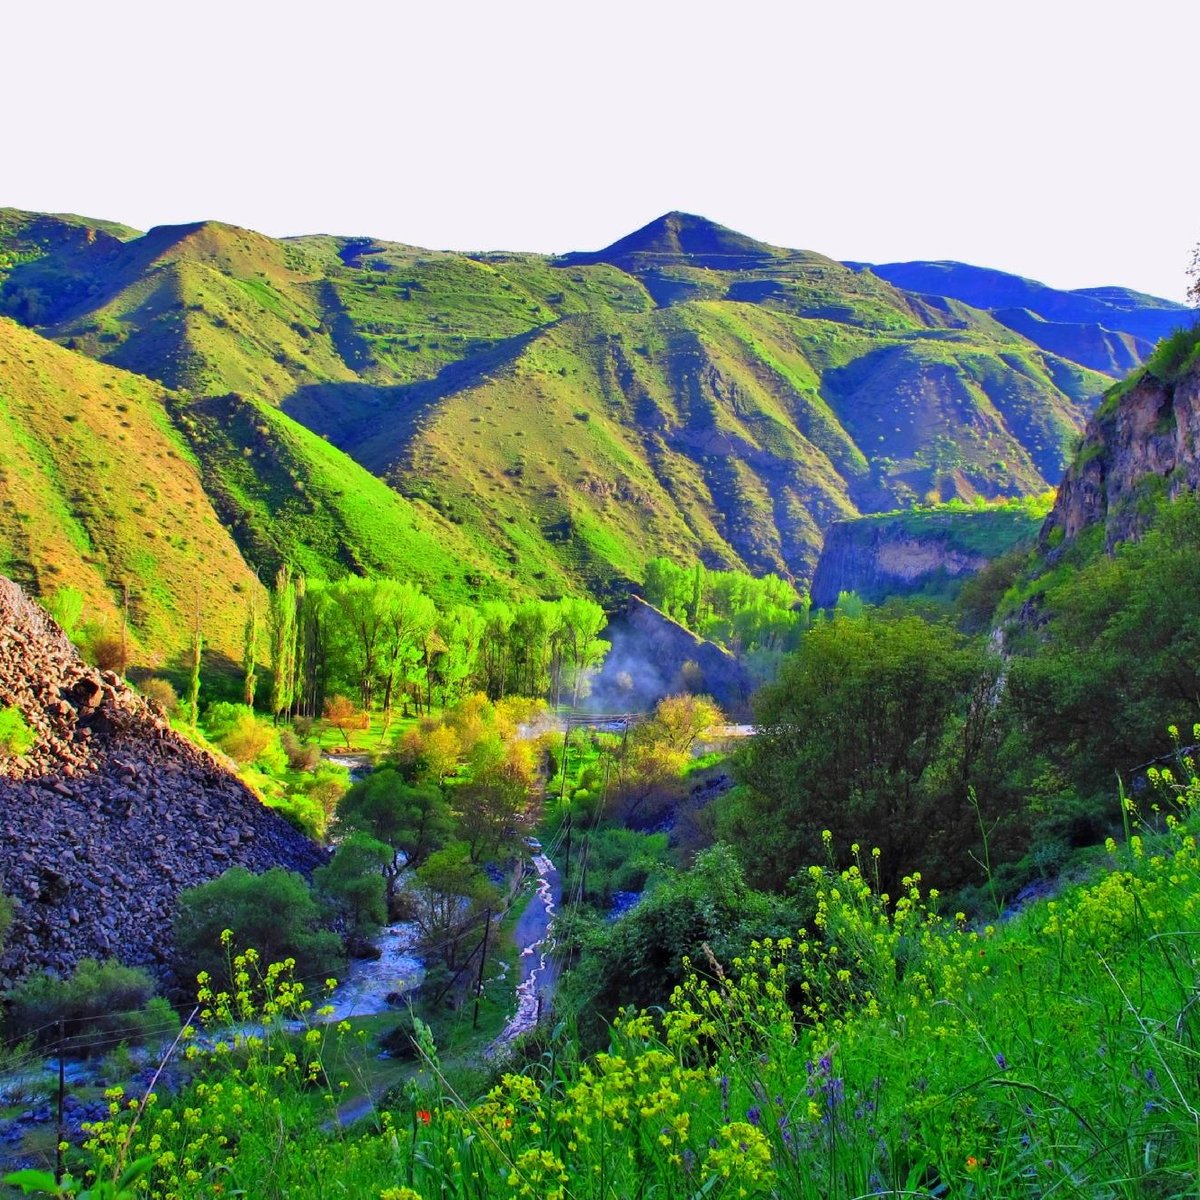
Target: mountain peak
[(680, 238)]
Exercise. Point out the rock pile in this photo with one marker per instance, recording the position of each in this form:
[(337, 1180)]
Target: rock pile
[(111, 813)]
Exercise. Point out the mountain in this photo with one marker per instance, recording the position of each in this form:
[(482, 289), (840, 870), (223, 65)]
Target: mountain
[(1140, 445), (546, 425), (1109, 329), (100, 491), (126, 490)]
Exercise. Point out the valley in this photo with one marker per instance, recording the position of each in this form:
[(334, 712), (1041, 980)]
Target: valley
[(676, 688)]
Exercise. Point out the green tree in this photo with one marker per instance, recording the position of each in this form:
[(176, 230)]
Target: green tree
[(274, 913), (452, 892), (250, 654), (411, 820), (354, 881), (283, 641), (875, 730)]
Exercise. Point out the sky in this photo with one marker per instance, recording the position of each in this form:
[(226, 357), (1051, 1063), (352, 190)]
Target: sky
[(1050, 139)]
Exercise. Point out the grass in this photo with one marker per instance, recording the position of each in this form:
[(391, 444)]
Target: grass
[(554, 423), (888, 1049), (100, 493)]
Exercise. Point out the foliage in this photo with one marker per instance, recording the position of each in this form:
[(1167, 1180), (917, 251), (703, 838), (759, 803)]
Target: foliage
[(16, 738), (1118, 650), (744, 613), (411, 820), (96, 1006), (880, 730), (275, 911), (353, 880), (882, 1049)]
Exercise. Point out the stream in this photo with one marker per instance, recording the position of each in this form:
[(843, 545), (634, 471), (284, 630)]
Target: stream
[(533, 937)]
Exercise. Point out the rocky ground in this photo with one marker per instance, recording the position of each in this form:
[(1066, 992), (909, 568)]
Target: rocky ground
[(111, 813)]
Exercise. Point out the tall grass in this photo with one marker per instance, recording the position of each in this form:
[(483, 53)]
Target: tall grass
[(889, 1049)]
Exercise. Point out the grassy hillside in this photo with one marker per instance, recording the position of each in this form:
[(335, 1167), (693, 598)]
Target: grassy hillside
[(99, 491), (686, 390)]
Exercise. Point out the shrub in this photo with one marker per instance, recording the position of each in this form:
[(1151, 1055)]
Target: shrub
[(98, 1005), (274, 912), (162, 692), (16, 738)]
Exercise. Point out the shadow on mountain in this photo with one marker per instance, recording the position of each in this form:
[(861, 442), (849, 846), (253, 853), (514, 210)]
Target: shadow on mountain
[(350, 414)]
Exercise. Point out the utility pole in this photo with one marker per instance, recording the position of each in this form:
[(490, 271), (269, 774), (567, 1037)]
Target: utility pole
[(61, 1132)]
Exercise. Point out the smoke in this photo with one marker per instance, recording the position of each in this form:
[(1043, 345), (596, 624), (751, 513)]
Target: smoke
[(629, 681)]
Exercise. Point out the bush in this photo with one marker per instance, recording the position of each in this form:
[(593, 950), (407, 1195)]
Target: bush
[(162, 692), (16, 738), (101, 1004), (275, 913)]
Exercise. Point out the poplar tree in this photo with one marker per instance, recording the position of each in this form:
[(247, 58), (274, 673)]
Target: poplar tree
[(283, 641), (250, 654)]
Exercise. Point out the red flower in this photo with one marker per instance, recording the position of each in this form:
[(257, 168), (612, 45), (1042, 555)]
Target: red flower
[(423, 1116)]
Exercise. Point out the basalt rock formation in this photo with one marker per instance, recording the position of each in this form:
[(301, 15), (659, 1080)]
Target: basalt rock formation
[(111, 813), (1143, 443)]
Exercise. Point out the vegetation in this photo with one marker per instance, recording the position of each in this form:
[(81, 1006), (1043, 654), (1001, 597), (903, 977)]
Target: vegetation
[(98, 1006), (823, 1063), (275, 910)]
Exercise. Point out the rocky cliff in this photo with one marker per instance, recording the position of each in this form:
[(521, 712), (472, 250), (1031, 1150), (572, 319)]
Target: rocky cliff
[(896, 554), (653, 656), (1142, 443), (111, 813)]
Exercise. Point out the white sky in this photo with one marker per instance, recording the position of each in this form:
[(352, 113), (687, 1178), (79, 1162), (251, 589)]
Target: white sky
[(1054, 139)]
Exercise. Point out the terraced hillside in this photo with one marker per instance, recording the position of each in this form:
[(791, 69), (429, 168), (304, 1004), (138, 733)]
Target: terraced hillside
[(557, 422)]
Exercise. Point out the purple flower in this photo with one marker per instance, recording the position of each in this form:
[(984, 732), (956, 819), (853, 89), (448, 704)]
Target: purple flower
[(1002, 1062), (754, 1115)]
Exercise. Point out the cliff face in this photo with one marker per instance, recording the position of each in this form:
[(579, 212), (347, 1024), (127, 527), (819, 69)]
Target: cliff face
[(111, 813), (897, 554), (653, 656), (1140, 445)]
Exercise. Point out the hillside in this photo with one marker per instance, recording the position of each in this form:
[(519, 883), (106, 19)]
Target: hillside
[(110, 814), (920, 550), (1140, 446), (686, 390), (99, 491), (1111, 330)]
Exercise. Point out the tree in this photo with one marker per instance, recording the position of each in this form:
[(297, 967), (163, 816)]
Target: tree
[(345, 716), (274, 913), (250, 654), (489, 807), (869, 732), (452, 892), (354, 881), (579, 630), (283, 641), (411, 820)]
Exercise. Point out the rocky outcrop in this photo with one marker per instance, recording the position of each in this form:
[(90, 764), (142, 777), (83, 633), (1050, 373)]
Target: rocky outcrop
[(111, 813), (897, 554), (1141, 444), (653, 656)]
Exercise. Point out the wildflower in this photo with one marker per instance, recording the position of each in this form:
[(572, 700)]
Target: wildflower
[(972, 1163), (754, 1115), (1002, 1062), (423, 1116)]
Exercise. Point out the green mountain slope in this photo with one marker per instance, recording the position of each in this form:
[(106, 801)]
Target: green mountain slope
[(686, 390), (98, 491)]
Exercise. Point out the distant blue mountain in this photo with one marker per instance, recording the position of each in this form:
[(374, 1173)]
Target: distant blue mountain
[(1110, 329)]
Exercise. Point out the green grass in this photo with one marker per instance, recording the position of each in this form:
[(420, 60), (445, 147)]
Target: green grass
[(889, 1048), (510, 393)]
